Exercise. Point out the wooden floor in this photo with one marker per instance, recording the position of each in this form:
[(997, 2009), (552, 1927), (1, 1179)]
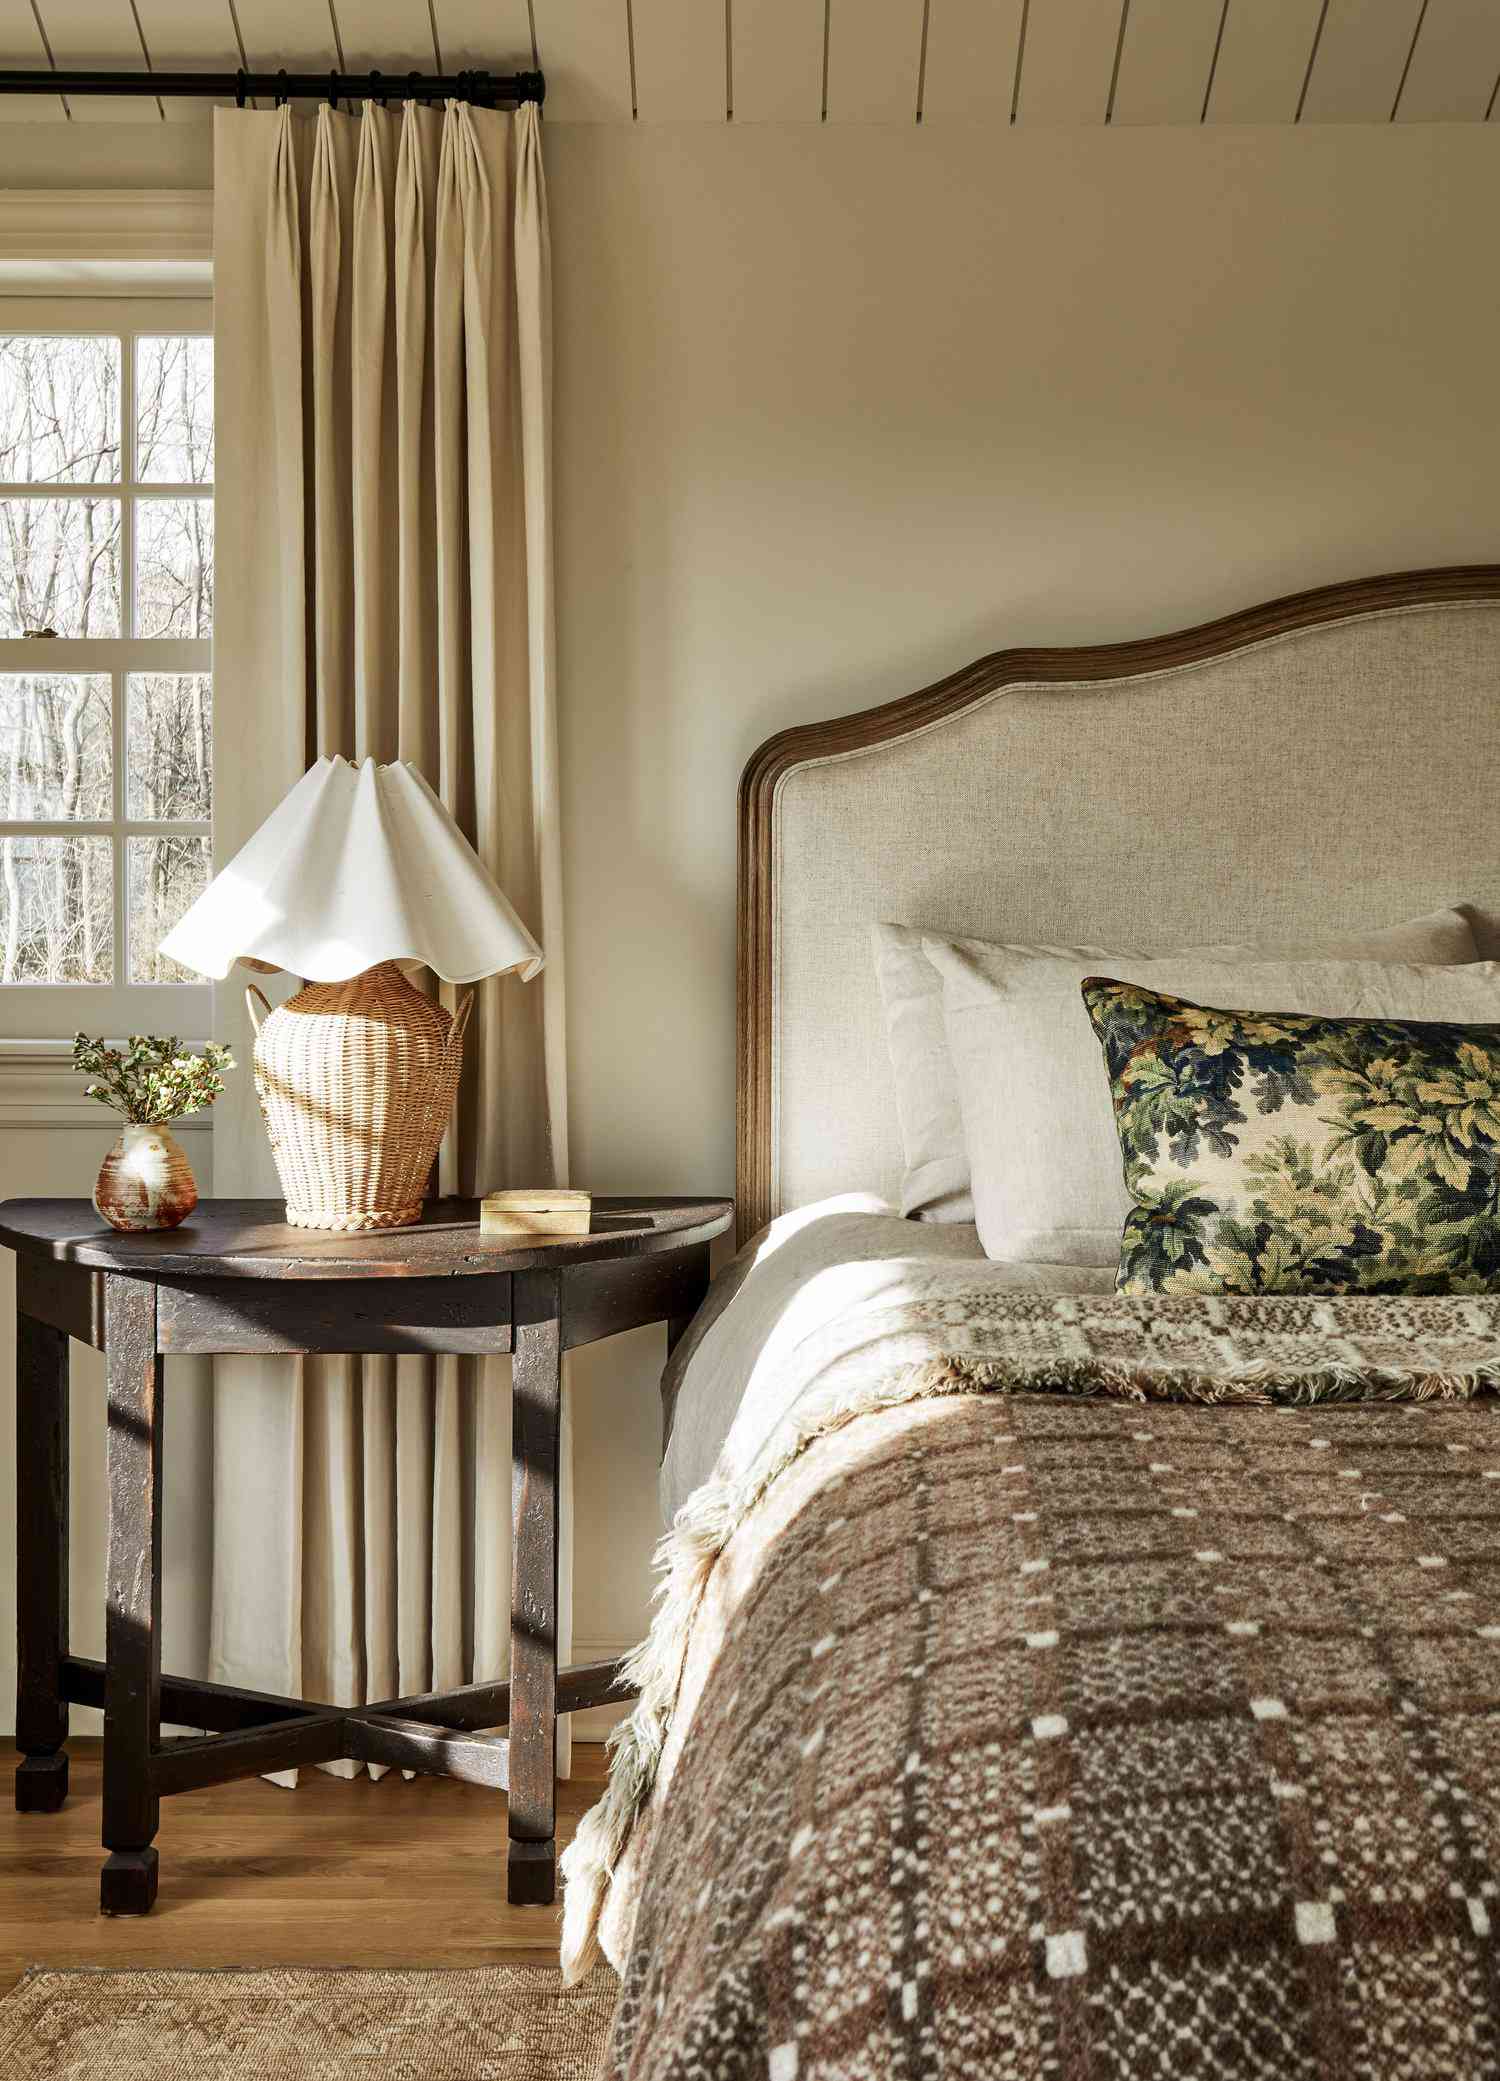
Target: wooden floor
[(340, 1872)]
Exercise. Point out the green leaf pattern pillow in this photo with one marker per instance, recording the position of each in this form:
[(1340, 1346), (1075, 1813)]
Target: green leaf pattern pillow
[(1277, 1153)]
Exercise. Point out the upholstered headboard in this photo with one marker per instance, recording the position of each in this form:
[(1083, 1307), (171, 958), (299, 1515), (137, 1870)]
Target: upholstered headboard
[(1325, 761)]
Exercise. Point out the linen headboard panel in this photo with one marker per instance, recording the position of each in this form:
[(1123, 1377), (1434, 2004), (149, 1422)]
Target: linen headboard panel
[(1326, 761)]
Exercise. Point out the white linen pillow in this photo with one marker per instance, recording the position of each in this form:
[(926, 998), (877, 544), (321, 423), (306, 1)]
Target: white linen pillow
[(936, 1185), (1037, 1116)]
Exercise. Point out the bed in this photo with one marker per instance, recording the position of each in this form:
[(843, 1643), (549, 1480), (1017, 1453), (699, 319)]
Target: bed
[(1008, 1710)]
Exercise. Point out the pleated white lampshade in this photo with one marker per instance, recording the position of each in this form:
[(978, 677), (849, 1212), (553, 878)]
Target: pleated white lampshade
[(358, 876), (360, 864)]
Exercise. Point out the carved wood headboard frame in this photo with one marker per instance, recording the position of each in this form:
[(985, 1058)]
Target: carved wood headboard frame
[(782, 754)]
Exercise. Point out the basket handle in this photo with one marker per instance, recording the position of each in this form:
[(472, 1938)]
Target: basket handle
[(455, 1041), (253, 992)]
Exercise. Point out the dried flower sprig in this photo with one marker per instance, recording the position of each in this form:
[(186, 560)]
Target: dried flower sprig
[(153, 1078)]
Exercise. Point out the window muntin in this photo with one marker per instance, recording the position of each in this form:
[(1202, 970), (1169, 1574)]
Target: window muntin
[(106, 615)]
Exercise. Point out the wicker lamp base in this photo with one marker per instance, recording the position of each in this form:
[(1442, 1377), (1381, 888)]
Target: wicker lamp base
[(356, 1082), (339, 1223)]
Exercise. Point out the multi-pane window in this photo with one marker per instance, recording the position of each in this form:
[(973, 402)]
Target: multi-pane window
[(106, 621)]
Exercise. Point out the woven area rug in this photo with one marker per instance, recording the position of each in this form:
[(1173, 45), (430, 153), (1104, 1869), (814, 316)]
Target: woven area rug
[(477, 2023)]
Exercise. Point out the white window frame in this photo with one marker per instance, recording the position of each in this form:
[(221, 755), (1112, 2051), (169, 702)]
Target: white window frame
[(32, 1011)]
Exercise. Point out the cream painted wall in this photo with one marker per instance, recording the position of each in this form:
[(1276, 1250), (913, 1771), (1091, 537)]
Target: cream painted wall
[(837, 411), (841, 410)]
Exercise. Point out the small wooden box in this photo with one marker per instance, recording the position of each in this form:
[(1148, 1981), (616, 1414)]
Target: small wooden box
[(548, 1211)]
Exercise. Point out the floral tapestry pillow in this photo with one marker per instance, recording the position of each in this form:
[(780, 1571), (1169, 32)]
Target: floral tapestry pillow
[(1276, 1153)]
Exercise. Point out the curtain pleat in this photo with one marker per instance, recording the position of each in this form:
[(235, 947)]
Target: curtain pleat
[(382, 299), (372, 402)]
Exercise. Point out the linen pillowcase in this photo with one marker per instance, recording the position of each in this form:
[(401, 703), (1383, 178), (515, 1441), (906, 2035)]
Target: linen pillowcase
[(937, 1184), (1268, 1153), (1037, 1116)]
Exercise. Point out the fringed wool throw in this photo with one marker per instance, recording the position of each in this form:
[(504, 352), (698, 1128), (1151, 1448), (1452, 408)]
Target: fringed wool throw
[(1078, 1732)]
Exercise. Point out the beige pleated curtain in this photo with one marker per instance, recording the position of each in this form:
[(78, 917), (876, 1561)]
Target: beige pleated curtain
[(381, 291)]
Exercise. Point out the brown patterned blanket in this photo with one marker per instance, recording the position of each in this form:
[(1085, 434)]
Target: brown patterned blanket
[(1071, 1739)]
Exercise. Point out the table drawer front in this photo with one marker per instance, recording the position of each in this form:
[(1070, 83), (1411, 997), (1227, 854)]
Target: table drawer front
[(64, 1295), (601, 1300), (469, 1316)]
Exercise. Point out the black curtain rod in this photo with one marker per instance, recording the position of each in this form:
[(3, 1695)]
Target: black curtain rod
[(484, 89)]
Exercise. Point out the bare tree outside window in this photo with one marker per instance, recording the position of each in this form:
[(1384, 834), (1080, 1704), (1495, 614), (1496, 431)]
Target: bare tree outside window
[(174, 567), (59, 567), (56, 910), (174, 412), (169, 747), (55, 750), (166, 875), (168, 767), (55, 893), (60, 409), (106, 610)]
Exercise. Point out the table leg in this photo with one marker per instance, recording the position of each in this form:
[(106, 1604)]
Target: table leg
[(132, 1644), (535, 1422), (41, 1564)]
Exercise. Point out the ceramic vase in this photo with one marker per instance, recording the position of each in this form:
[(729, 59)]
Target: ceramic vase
[(145, 1181)]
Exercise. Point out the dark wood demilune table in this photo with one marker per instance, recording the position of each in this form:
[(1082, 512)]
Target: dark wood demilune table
[(235, 1278)]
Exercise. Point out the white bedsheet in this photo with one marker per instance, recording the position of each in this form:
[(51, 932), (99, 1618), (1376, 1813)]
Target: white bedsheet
[(733, 1386)]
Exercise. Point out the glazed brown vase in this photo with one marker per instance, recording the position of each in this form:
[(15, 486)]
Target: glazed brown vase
[(146, 1180)]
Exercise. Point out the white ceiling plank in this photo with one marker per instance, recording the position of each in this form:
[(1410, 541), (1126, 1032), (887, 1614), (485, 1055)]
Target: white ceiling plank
[(1263, 60), (584, 50), (1166, 60), (1455, 63), (22, 50), (189, 39), (99, 35), (681, 71), (1360, 58), (492, 34), (294, 34), (971, 60), (874, 58), (389, 35), (1068, 61), (778, 60)]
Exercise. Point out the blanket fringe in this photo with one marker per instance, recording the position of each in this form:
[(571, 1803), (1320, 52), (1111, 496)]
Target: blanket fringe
[(708, 1520)]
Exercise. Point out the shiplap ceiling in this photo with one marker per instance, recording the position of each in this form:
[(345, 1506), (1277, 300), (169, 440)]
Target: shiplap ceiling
[(837, 61)]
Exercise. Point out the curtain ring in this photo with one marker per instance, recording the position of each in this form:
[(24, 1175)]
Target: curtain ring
[(240, 88), (333, 99), (281, 94), (376, 93)]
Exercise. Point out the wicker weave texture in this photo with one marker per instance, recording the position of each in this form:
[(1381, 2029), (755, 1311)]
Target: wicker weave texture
[(356, 1081)]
